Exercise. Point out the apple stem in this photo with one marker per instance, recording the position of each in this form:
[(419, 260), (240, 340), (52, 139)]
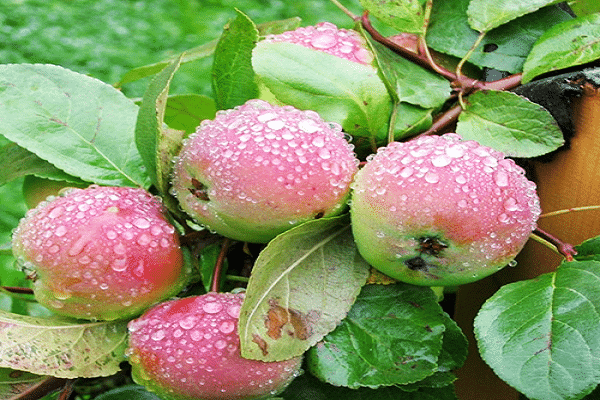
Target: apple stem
[(567, 250), (215, 285)]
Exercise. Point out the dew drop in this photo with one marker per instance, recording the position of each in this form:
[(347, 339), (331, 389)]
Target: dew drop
[(308, 126), (119, 265), (212, 307), (234, 311), (54, 249), (318, 141), (323, 41), (501, 178), (432, 177), (463, 203), (141, 223), (324, 153), (227, 327), (511, 204), (406, 172), (158, 335), (60, 231), (120, 249), (188, 322), (512, 263), (441, 161), (57, 212), (275, 124)]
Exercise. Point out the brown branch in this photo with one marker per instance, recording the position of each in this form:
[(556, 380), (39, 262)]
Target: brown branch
[(567, 250), (215, 285), (18, 290)]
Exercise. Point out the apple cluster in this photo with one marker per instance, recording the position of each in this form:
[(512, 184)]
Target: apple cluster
[(432, 211)]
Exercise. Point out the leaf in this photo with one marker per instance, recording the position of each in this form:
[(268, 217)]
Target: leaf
[(79, 124), (203, 51), (589, 250), (134, 392), (307, 387), (402, 15), (341, 91), (391, 336), (16, 162), (449, 32), (150, 134), (509, 123), (14, 383), (185, 112), (542, 336), (232, 75), (571, 43), (61, 348), (412, 83), (485, 15), (302, 285)]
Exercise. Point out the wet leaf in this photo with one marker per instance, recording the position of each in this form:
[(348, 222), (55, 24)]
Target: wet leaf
[(60, 348), (571, 43), (449, 32), (302, 285), (393, 335), (402, 15), (185, 112), (16, 161), (509, 123), (232, 74), (79, 124), (341, 91), (485, 15), (13, 383), (542, 336)]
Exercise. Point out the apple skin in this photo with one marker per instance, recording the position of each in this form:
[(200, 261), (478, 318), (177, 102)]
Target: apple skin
[(189, 349), (438, 211), (100, 253), (258, 170)]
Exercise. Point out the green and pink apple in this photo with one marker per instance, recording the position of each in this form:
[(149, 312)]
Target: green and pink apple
[(439, 211)]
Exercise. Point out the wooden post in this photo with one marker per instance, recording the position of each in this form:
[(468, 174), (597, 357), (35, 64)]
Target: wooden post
[(571, 179)]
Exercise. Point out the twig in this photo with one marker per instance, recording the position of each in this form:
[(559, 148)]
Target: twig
[(569, 210), (18, 290), (215, 285), (567, 250), (345, 10)]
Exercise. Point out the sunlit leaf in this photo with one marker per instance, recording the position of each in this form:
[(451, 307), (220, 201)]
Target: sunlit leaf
[(484, 15), (302, 285), (61, 348), (79, 124), (232, 75), (509, 123), (392, 336), (402, 15), (571, 43), (542, 336)]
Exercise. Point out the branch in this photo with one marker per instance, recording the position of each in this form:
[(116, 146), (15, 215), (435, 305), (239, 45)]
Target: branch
[(215, 285), (567, 250)]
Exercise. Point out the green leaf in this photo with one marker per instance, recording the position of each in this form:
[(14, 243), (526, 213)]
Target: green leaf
[(232, 75), (485, 15), (13, 383), (341, 91), (79, 124), (402, 15), (203, 51), (150, 134), (542, 336), (15, 162), (133, 392), (449, 32), (392, 336), (509, 123), (589, 250), (61, 348), (410, 82), (584, 7), (185, 112), (302, 285), (307, 387), (571, 43)]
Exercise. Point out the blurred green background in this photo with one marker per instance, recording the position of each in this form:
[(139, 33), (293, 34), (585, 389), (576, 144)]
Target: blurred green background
[(107, 38)]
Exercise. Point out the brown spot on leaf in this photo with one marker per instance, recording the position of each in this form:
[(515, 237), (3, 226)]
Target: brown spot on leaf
[(299, 325), (261, 344)]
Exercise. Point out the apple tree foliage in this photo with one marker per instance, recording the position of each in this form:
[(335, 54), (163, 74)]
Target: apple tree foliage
[(364, 337)]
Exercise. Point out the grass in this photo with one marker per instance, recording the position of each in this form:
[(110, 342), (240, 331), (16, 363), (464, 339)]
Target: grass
[(106, 38)]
